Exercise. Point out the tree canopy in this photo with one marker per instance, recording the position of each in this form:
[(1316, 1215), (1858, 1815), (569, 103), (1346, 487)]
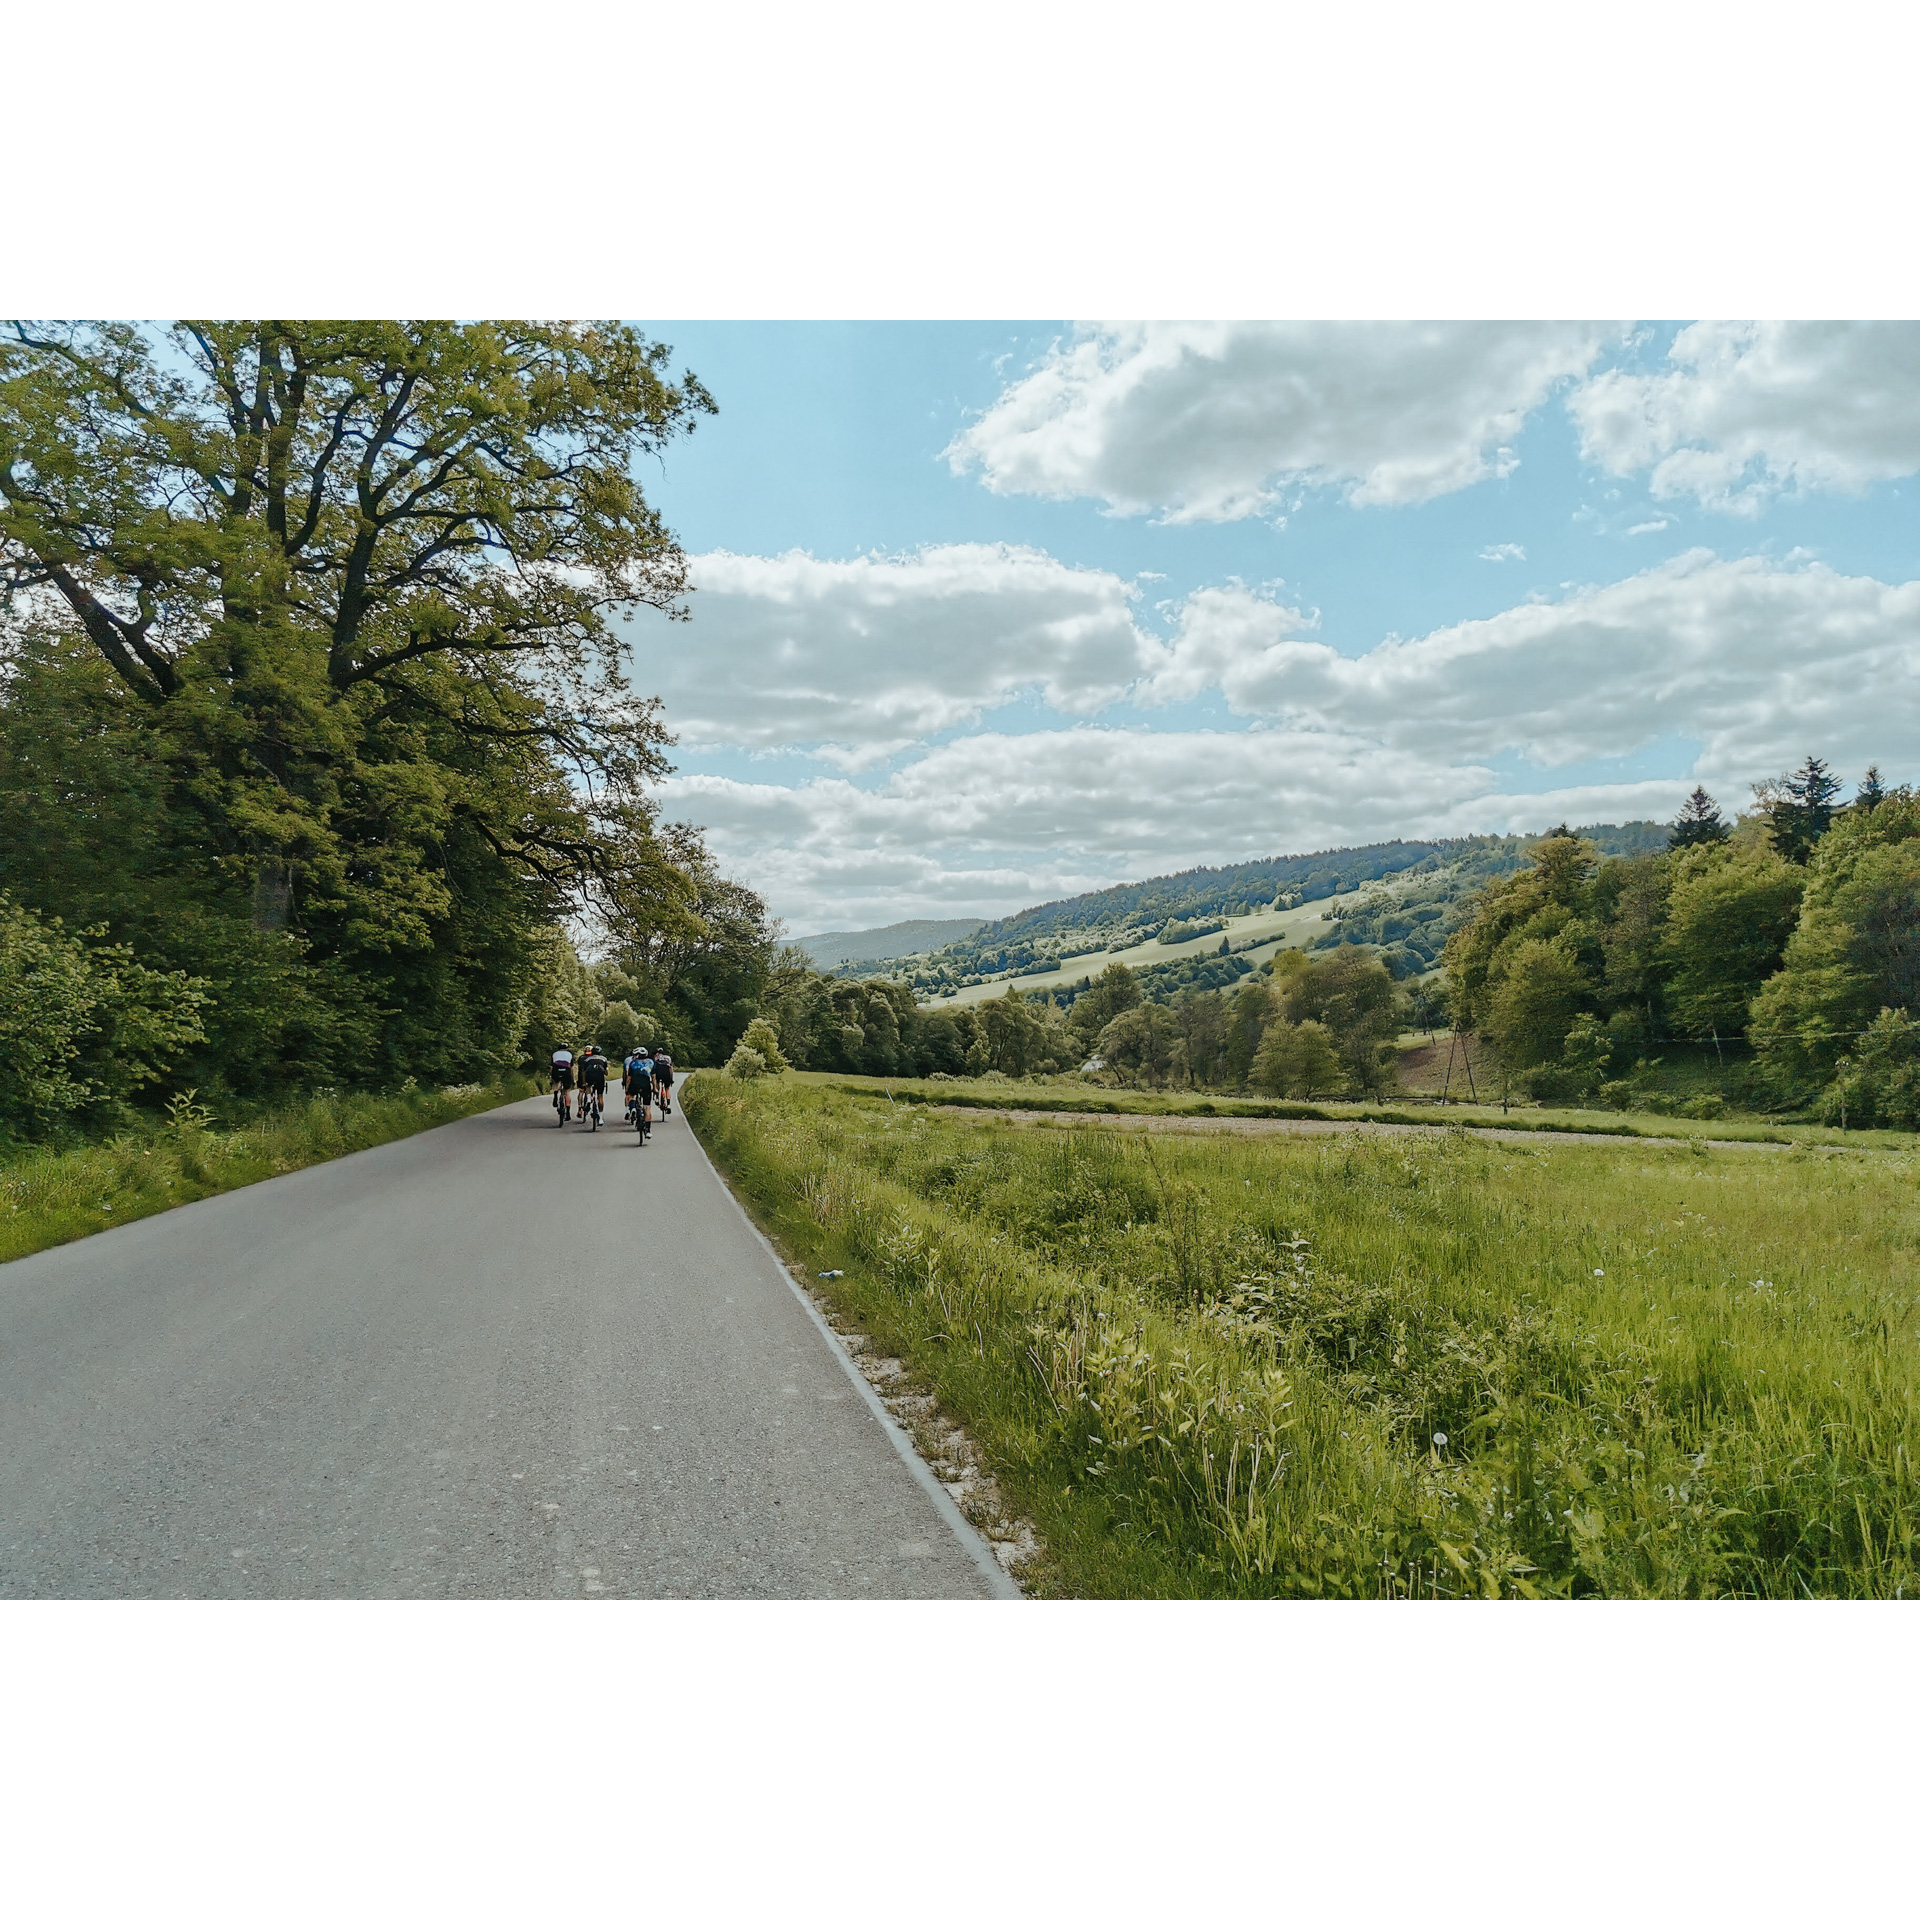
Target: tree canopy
[(313, 688)]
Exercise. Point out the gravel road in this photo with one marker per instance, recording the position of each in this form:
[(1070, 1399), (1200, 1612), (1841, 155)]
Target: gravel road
[(497, 1360)]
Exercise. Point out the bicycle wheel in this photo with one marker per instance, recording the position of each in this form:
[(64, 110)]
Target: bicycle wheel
[(593, 1118), (559, 1113)]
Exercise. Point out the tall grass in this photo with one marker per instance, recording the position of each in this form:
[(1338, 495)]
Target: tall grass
[(1382, 1366), (52, 1195)]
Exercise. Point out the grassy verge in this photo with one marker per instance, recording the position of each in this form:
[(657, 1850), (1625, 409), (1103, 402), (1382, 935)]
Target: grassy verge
[(49, 1196), (1063, 1095), (1379, 1365)]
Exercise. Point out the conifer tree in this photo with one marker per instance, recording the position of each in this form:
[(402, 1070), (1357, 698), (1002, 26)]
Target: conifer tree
[(1699, 823), (1800, 808), (1872, 791)]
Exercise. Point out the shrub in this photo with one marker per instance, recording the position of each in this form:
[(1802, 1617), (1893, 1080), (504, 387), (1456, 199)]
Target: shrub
[(1554, 1086), (747, 1063), (1878, 1085), (763, 1040)]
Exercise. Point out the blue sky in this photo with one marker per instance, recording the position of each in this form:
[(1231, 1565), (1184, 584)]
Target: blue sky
[(988, 613)]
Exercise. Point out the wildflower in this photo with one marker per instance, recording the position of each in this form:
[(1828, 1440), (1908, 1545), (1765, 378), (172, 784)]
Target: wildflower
[(1439, 1439), (1599, 1273)]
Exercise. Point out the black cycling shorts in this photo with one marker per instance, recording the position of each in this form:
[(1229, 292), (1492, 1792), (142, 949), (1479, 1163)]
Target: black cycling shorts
[(563, 1077)]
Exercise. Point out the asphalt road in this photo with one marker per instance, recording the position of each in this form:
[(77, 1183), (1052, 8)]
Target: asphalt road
[(497, 1360)]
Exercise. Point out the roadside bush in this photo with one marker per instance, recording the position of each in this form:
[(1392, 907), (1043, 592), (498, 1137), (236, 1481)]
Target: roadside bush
[(1553, 1086), (747, 1063), (1878, 1085), (763, 1040), (82, 1024)]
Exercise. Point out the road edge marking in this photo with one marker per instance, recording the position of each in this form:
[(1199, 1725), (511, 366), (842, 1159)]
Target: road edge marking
[(1004, 1585)]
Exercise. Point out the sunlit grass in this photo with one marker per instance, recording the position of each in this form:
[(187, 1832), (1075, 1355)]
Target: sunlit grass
[(1070, 1093), (1367, 1364)]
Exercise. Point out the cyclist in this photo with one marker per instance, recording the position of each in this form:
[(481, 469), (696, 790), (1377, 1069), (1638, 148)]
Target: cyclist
[(560, 1080), (637, 1078), (593, 1079), (663, 1082)]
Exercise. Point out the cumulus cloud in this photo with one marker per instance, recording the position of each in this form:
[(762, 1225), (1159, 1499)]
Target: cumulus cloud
[(1216, 421), (856, 659), (1757, 661), (1754, 659), (1746, 409), (1506, 550)]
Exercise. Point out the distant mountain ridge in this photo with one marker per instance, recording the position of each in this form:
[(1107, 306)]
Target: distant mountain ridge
[(829, 950), (1060, 929)]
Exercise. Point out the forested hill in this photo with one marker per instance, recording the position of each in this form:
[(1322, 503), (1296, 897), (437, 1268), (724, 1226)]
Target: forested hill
[(1140, 907), (884, 943)]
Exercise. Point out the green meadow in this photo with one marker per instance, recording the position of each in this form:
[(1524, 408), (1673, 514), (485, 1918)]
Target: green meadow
[(1369, 1364)]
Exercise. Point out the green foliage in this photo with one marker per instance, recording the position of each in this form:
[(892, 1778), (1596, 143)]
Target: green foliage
[(1855, 949), (1729, 918), (1381, 1367), (1145, 1043), (1799, 808), (1699, 822), (1541, 990), (1878, 1083), (1351, 996), (746, 1063), (83, 1026), (1437, 871), (762, 1039), (1102, 1001), (1297, 1062), (310, 686)]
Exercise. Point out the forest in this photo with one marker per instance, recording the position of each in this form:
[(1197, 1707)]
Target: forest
[(315, 737)]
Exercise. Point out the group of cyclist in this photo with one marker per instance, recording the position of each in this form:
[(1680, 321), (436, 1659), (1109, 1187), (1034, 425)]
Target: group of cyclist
[(646, 1079)]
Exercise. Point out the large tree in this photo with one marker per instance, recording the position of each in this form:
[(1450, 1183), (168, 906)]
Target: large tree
[(350, 586)]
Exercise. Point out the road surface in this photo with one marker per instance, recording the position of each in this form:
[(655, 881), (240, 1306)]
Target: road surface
[(497, 1360)]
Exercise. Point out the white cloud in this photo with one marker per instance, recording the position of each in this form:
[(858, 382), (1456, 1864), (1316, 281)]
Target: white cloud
[(1757, 661), (1749, 408), (1506, 550), (856, 659), (1216, 421)]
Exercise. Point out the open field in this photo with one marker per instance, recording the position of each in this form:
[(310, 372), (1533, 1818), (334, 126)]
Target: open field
[(1381, 1364), (1258, 935), (1066, 1093), (50, 1196)]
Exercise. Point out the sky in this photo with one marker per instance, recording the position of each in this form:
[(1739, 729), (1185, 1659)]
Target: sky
[(987, 614)]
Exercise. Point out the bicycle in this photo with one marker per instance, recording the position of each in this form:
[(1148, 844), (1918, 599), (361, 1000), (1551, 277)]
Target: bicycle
[(562, 1106), (591, 1102), (637, 1117)]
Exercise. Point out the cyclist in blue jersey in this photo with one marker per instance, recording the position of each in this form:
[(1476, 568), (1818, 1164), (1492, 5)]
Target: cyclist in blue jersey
[(636, 1077)]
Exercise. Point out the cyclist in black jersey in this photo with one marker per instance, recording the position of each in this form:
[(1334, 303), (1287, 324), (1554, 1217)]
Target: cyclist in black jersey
[(560, 1082), (592, 1069)]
